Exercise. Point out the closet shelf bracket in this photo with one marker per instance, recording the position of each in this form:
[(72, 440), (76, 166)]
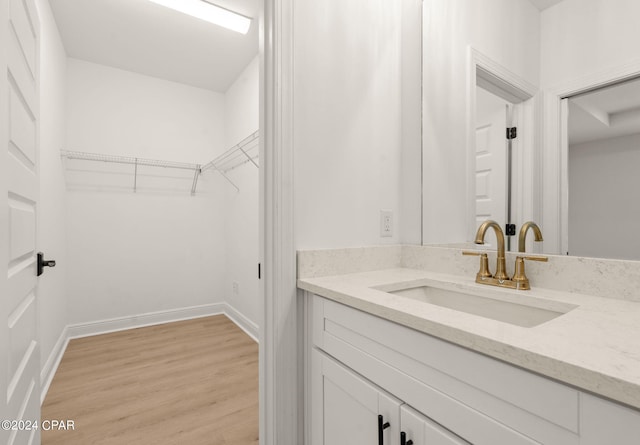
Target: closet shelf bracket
[(241, 153), (196, 174)]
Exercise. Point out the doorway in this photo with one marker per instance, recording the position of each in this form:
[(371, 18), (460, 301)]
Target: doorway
[(135, 244)]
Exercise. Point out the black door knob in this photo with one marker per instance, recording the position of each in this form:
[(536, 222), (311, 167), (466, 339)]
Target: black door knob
[(42, 263)]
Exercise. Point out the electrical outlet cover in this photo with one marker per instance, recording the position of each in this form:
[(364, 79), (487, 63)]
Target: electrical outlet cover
[(386, 223)]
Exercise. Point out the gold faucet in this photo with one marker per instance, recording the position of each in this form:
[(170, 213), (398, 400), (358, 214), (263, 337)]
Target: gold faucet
[(519, 277), (523, 234), (501, 279), (501, 268)]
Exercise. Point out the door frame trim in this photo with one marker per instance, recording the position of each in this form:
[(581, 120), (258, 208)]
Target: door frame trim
[(281, 383)]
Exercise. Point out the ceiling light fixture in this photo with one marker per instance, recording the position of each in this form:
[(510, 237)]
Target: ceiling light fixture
[(210, 13)]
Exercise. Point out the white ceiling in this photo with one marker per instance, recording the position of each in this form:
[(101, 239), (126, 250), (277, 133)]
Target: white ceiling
[(146, 38), (605, 113), (544, 4)]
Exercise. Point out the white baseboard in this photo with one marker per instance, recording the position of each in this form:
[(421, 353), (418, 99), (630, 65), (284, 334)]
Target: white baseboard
[(248, 326), (51, 366), (137, 321)]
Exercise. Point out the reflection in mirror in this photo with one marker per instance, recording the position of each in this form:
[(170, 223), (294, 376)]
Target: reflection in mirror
[(492, 162), (463, 41), (498, 149), (604, 182), (555, 49)]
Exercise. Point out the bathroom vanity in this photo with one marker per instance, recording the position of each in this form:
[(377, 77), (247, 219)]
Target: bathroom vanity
[(403, 353)]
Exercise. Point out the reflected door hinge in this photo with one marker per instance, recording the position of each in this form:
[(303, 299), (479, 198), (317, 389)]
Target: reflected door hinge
[(512, 133), (510, 229)]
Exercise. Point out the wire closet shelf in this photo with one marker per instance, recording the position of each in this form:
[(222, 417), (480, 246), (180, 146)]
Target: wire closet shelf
[(241, 153)]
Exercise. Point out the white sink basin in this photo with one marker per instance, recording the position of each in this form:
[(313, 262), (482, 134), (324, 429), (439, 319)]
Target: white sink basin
[(519, 313)]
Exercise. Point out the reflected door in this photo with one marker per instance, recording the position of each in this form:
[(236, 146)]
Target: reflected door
[(491, 160)]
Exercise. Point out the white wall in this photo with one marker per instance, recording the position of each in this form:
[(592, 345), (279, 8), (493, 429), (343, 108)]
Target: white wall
[(52, 288), (160, 248), (604, 208), (347, 121), (507, 31), (579, 37), (241, 208)]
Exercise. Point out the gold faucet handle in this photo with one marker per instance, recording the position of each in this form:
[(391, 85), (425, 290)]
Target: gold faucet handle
[(543, 259), (519, 277), (484, 264)]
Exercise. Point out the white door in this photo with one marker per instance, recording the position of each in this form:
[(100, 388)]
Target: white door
[(351, 409), (20, 368), (491, 161), (423, 431)]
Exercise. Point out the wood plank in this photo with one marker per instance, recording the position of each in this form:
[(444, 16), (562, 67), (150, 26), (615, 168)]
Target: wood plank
[(192, 381)]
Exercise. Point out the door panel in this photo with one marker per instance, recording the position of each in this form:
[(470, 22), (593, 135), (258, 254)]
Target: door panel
[(19, 76), (22, 224), (22, 179), (491, 162), (22, 325), (20, 378), (351, 405), (347, 419), (24, 29), (20, 285), (22, 131)]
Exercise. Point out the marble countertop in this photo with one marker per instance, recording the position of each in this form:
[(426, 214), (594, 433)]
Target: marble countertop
[(594, 347)]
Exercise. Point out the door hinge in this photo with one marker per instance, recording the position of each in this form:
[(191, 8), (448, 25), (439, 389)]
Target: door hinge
[(510, 229), (259, 272), (512, 133)]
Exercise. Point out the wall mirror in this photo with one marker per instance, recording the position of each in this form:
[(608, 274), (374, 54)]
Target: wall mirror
[(603, 156), (551, 53)]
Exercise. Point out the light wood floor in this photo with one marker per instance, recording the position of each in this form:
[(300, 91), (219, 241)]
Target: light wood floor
[(190, 382)]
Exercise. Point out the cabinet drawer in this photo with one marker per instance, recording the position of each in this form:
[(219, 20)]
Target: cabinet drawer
[(442, 380)]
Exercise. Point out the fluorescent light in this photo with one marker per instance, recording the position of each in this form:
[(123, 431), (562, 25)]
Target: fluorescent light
[(209, 12)]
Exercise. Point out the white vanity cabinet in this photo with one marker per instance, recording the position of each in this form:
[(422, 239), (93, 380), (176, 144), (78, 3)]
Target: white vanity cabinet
[(353, 411), (418, 429), (361, 366)]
